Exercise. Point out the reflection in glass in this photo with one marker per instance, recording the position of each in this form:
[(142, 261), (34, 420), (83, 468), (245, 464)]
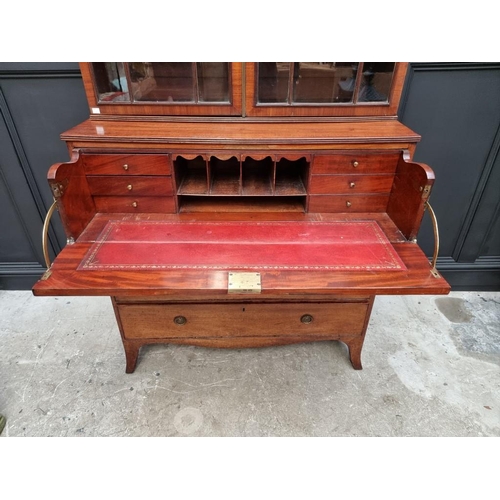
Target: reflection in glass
[(376, 82), (213, 81), (180, 82), (169, 82), (273, 82), (111, 82), (188, 82), (323, 82)]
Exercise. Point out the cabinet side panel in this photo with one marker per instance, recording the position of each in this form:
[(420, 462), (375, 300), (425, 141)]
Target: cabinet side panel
[(410, 190), (70, 188)]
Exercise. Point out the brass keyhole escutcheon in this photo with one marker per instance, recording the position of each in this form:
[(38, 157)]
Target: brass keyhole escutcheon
[(306, 318), (134, 204), (355, 163), (348, 204), (129, 187), (180, 320), (352, 184)]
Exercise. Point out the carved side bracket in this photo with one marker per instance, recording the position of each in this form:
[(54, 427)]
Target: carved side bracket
[(70, 189), (410, 191)]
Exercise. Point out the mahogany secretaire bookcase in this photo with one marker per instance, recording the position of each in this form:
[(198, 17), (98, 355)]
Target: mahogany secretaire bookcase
[(241, 204)]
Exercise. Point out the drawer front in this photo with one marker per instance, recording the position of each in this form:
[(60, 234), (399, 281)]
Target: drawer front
[(350, 184), (163, 321), (129, 185), (346, 203), (355, 163), (127, 164), (139, 204)]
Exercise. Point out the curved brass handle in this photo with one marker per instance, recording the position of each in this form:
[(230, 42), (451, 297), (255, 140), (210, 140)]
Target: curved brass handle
[(45, 231), (436, 239)]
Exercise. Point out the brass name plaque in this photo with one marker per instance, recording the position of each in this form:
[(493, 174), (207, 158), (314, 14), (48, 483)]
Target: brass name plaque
[(244, 283)]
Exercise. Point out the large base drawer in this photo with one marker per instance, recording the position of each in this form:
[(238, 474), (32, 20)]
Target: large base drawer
[(164, 321)]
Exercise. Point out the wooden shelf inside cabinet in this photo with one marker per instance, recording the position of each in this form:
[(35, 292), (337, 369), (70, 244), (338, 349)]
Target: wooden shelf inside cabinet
[(223, 180), (191, 175), (257, 177), (224, 176), (291, 177), (194, 184), (247, 204)]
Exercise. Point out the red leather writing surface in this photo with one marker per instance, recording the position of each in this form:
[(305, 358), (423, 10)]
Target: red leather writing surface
[(358, 245)]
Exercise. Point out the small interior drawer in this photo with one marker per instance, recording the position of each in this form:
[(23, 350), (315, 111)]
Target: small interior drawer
[(350, 184), (127, 164), (158, 321), (129, 185), (348, 203), (355, 163), (138, 204)]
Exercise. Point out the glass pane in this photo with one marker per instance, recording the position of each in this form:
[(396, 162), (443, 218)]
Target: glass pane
[(213, 81), (376, 82), (273, 82), (169, 82), (111, 82), (323, 82)]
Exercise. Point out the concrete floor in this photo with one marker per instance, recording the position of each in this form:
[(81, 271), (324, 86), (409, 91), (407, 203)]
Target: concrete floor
[(431, 368)]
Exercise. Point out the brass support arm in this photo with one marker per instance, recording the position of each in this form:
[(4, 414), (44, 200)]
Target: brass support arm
[(434, 271), (45, 231)]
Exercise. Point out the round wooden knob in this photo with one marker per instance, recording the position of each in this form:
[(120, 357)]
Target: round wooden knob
[(306, 318), (355, 163), (134, 204), (129, 187), (352, 184), (180, 320), (125, 167), (348, 204)]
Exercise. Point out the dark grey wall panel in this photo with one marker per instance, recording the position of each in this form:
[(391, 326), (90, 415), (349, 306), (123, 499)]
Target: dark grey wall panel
[(15, 247), (38, 101), (43, 104), (492, 243), (483, 235), (40, 67), (456, 109), (19, 211)]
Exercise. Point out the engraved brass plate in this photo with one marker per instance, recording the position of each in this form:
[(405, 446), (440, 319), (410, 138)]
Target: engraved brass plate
[(244, 283)]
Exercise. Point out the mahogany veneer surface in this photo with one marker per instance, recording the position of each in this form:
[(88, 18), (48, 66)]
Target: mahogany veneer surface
[(240, 320), (136, 133), (66, 279)]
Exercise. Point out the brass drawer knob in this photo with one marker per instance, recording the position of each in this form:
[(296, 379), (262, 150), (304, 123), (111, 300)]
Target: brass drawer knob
[(125, 167), (180, 320), (129, 187), (348, 204), (355, 163), (306, 318), (134, 204), (352, 184)]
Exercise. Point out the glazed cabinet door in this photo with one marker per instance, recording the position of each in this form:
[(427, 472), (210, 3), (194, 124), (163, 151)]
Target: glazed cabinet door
[(323, 88), (163, 88)]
